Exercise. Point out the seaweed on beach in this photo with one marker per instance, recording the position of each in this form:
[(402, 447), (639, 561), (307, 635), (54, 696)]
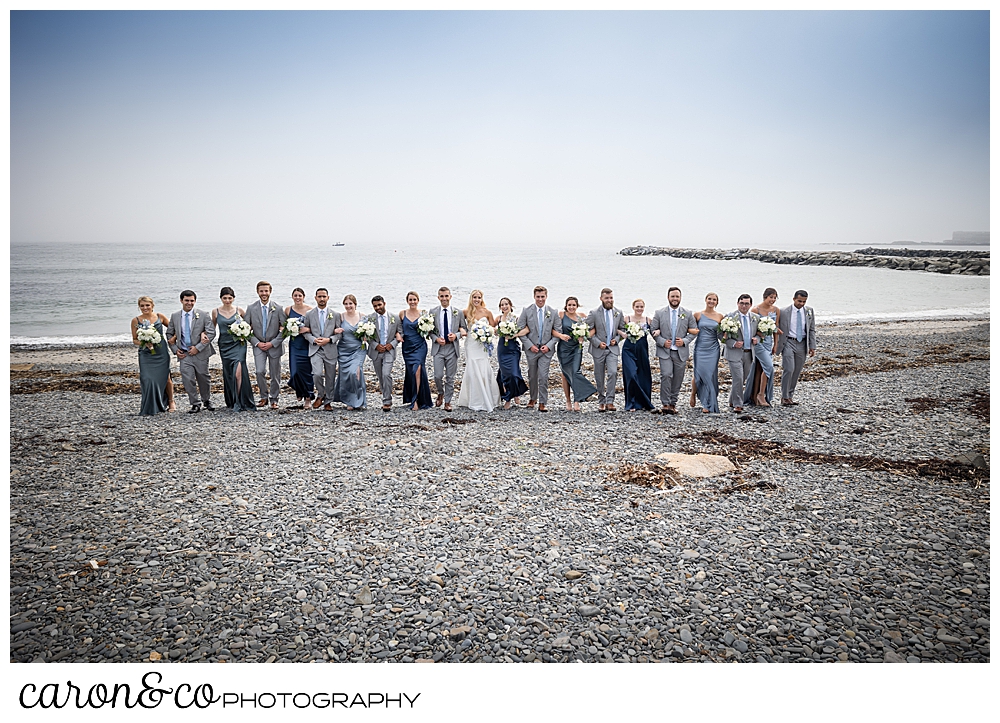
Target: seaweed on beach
[(651, 474), (823, 366), (977, 403), (739, 451)]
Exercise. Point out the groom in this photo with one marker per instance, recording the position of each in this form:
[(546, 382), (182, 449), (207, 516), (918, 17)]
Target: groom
[(677, 328), (798, 336), (266, 318), (536, 323), (187, 326), (606, 321), (450, 327), (739, 351)]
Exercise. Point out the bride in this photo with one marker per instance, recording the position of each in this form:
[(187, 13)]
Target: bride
[(479, 385)]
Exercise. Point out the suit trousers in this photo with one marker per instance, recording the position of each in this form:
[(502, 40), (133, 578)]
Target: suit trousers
[(270, 360), (194, 374), (739, 370), (539, 365), (383, 373), (793, 358), (324, 373), (445, 369), (606, 373), (671, 377)]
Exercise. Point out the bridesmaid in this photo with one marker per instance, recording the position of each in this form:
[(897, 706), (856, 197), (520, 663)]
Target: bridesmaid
[(509, 377), (416, 393), (570, 353), (706, 356), (760, 385), (635, 363), (350, 358), (235, 376), (299, 367), (155, 384)]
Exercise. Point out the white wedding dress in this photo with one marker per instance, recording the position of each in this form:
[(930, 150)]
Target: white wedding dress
[(480, 391)]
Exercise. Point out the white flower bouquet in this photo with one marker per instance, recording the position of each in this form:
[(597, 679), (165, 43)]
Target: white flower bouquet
[(366, 332), (766, 326), (508, 330), (241, 331), (426, 325), (580, 331), (634, 331), (148, 336), (484, 333), (729, 328), (292, 327)]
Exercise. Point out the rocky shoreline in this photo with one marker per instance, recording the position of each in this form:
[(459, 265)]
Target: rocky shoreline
[(853, 527), (968, 263)]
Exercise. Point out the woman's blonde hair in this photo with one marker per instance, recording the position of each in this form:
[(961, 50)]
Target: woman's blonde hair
[(470, 309), (146, 298)]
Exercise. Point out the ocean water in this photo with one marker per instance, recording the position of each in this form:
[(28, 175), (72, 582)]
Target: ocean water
[(87, 293)]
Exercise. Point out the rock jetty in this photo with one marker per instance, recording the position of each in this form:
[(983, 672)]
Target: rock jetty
[(969, 263)]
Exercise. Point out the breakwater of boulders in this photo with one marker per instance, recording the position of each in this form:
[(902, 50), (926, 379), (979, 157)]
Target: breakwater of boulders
[(969, 263)]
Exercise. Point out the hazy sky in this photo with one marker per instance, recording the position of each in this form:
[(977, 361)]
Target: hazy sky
[(478, 128)]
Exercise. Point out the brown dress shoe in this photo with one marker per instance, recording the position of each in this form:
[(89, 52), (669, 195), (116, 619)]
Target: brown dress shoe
[(600, 407), (671, 409), (541, 408), (610, 408), (262, 403), (439, 401), (327, 408), (274, 405), (447, 407), (737, 410), (386, 407), (531, 404)]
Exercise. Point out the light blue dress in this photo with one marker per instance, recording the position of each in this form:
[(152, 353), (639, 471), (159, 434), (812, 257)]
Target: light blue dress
[(351, 362), (762, 364), (706, 363)]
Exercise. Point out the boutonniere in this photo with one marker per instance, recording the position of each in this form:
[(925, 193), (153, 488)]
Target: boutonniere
[(548, 314), (197, 315), (392, 319), (329, 315), (272, 307), (683, 316)]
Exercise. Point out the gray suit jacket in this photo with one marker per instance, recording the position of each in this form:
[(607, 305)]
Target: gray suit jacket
[(275, 318), (785, 323), (686, 326), (529, 318), (200, 322), (393, 324), (456, 322), (331, 321), (595, 320), (732, 353)]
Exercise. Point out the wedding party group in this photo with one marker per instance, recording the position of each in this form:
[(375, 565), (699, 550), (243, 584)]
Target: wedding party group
[(327, 350)]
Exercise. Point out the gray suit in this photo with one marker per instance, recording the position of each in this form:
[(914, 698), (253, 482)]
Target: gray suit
[(270, 359), (741, 360), (539, 364), (605, 360), (194, 369), (673, 362), (383, 361), (446, 356), (793, 351), (323, 358)]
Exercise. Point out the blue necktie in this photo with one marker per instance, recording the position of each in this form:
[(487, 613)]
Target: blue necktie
[(746, 332), (322, 324), (607, 323), (381, 329), (673, 326), (263, 313), (541, 322), (186, 337)]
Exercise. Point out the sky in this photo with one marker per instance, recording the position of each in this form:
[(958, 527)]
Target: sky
[(485, 129)]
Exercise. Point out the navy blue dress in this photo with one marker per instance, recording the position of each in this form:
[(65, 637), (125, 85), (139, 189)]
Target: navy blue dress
[(635, 369), (414, 358), (509, 377), (299, 366)]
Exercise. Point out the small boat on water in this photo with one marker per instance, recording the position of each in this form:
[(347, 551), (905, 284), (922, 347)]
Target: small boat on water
[(338, 244)]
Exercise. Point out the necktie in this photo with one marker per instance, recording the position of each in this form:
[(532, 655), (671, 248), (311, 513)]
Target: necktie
[(381, 329), (263, 313), (673, 326), (540, 323), (746, 332), (607, 324), (444, 314), (799, 326), (186, 340), (322, 323)]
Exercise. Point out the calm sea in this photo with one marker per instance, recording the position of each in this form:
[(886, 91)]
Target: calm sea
[(86, 293)]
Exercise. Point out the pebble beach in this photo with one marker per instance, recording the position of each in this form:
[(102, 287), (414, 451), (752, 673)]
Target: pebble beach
[(854, 527)]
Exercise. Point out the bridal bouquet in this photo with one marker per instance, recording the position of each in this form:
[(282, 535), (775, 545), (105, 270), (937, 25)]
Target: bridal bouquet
[(483, 333), (149, 337), (425, 325), (292, 327), (634, 331), (508, 330), (241, 331), (366, 332), (580, 331), (766, 326), (729, 328)]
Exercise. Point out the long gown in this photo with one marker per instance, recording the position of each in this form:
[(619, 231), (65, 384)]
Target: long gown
[(299, 366), (414, 356), (509, 378), (351, 368), (570, 355), (480, 391), (706, 363), (154, 373), (635, 369), (763, 363), (234, 354)]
